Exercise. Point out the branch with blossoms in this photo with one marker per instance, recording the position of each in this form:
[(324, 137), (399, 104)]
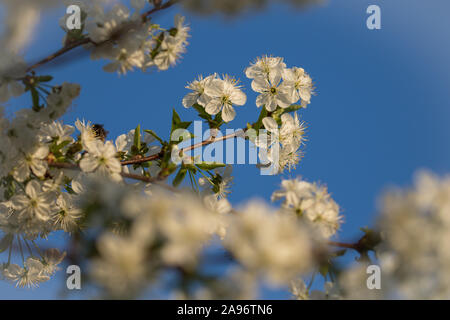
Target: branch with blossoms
[(54, 179), (141, 209)]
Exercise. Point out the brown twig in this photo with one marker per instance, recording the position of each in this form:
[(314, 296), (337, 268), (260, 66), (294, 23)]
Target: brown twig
[(353, 246), (73, 166)]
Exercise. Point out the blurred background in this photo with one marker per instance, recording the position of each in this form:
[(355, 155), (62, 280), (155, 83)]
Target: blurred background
[(381, 110)]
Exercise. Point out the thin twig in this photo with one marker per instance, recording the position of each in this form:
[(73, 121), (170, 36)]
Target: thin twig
[(353, 246), (73, 166)]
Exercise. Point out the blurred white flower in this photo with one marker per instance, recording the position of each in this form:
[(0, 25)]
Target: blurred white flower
[(30, 275), (35, 163), (34, 203), (273, 245), (310, 202)]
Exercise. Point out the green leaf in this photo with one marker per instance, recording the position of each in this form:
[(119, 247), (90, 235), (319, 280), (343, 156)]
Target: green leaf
[(323, 269), (63, 144), (293, 107), (209, 165), (6, 242), (177, 123), (137, 137), (280, 111), (179, 177), (201, 112), (35, 98), (44, 78)]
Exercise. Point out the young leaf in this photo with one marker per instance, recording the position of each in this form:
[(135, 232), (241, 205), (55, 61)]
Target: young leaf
[(35, 98), (209, 165), (137, 137), (179, 177)]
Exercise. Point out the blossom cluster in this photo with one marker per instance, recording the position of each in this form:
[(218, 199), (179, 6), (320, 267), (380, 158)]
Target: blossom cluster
[(139, 232), (159, 230), (279, 89), (128, 39)]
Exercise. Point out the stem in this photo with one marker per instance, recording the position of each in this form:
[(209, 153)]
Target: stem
[(21, 250), (353, 246), (28, 246), (9, 252), (73, 166)]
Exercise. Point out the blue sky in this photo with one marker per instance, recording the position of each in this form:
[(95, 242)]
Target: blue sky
[(380, 112)]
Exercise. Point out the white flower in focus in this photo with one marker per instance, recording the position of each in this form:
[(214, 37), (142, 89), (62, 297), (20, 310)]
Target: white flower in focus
[(279, 147), (272, 93), (270, 68), (35, 162), (102, 158), (87, 132), (198, 94), (300, 83), (224, 94)]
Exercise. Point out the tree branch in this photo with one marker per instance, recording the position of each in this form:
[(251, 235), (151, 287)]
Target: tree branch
[(206, 142), (83, 41)]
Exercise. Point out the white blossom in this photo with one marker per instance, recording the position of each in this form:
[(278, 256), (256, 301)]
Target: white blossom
[(198, 94), (274, 245), (102, 158), (30, 275), (300, 83), (224, 94), (273, 93), (35, 163), (34, 203)]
